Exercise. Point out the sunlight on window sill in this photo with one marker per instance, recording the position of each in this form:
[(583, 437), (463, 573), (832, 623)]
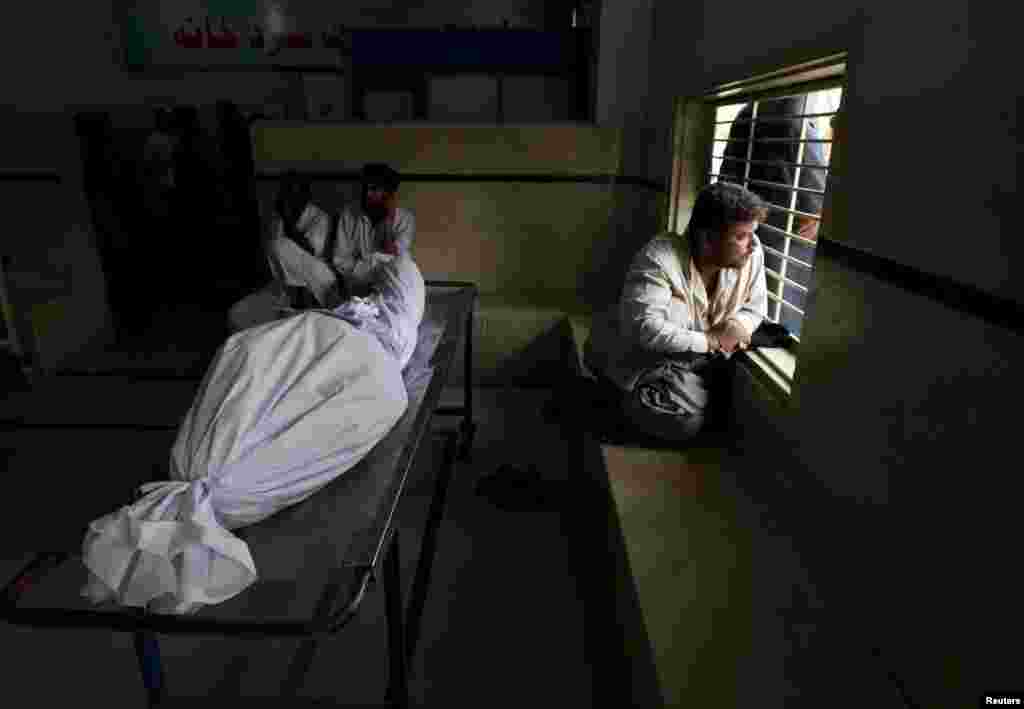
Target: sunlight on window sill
[(777, 366)]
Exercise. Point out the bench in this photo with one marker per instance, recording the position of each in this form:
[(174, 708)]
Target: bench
[(666, 513)]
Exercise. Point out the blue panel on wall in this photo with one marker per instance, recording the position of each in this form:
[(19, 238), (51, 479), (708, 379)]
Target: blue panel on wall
[(464, 49)]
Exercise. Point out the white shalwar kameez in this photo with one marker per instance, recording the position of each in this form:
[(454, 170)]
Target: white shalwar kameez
[(653, 344), (356, 255)]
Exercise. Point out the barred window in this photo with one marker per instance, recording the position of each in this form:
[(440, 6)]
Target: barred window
[(779, 147)]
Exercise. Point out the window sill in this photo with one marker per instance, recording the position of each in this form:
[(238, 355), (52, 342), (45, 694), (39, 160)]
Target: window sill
[(774, 367)]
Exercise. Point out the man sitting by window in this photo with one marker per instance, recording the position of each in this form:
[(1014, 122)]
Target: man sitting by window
[(688, 303), (319, 265)]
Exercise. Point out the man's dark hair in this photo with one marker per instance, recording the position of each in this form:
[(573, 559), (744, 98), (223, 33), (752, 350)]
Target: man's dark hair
[(295, 192), (719, 206), (380, 175)]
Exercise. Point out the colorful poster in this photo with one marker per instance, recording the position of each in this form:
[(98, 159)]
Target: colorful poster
[(228, 33)]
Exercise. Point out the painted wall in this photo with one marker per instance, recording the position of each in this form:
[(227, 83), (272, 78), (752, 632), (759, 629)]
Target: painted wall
[(624, 72), (899, 403), (512, 238), (535, 250), (43, 88), (463, 98), (536, 99), (624, 63)]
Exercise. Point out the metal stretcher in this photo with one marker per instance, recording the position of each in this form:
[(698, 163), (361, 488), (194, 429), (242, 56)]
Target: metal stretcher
[(316, 560)]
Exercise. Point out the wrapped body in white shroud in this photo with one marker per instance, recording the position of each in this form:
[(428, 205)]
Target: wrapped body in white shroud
[(285, 408)]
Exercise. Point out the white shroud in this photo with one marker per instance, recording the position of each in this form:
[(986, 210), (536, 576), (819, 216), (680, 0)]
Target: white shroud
[(285, 408)]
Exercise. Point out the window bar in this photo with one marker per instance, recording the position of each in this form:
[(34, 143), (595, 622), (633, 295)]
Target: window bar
[(778, 276), (794, 212), (750, 143), (783, 302), (801, 141), (780, 186), (773, 163), (779, 118), (796, 237), (746, 171), (792, 205), (774, 303), (776, 185), (785, 210), (791, 259)]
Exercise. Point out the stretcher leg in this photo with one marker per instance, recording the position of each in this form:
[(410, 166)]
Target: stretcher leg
[(147, 649), (421, 583), (468, 428), (398, 681), (467, 431)]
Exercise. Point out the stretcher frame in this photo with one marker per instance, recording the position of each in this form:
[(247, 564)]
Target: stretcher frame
[(403, 622)]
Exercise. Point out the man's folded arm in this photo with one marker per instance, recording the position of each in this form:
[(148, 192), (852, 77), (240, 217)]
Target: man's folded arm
[(755, 309), (403, 230), (645, 299), (344, 256)]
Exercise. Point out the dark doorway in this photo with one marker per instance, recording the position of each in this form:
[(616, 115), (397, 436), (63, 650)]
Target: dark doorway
[(174, 212)]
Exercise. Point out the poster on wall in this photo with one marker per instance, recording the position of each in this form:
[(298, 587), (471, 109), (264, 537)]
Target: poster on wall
[(229, 33)]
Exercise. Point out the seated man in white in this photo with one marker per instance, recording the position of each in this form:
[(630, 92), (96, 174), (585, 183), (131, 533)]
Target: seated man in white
[(688, 303), (317, 264), (284, 408)]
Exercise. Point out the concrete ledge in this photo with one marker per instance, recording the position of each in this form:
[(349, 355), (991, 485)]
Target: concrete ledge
[(624, 660), (774, 367), (663, 510)]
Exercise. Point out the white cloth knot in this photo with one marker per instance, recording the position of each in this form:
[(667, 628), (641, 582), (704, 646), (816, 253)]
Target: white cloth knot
[(174, 487)]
